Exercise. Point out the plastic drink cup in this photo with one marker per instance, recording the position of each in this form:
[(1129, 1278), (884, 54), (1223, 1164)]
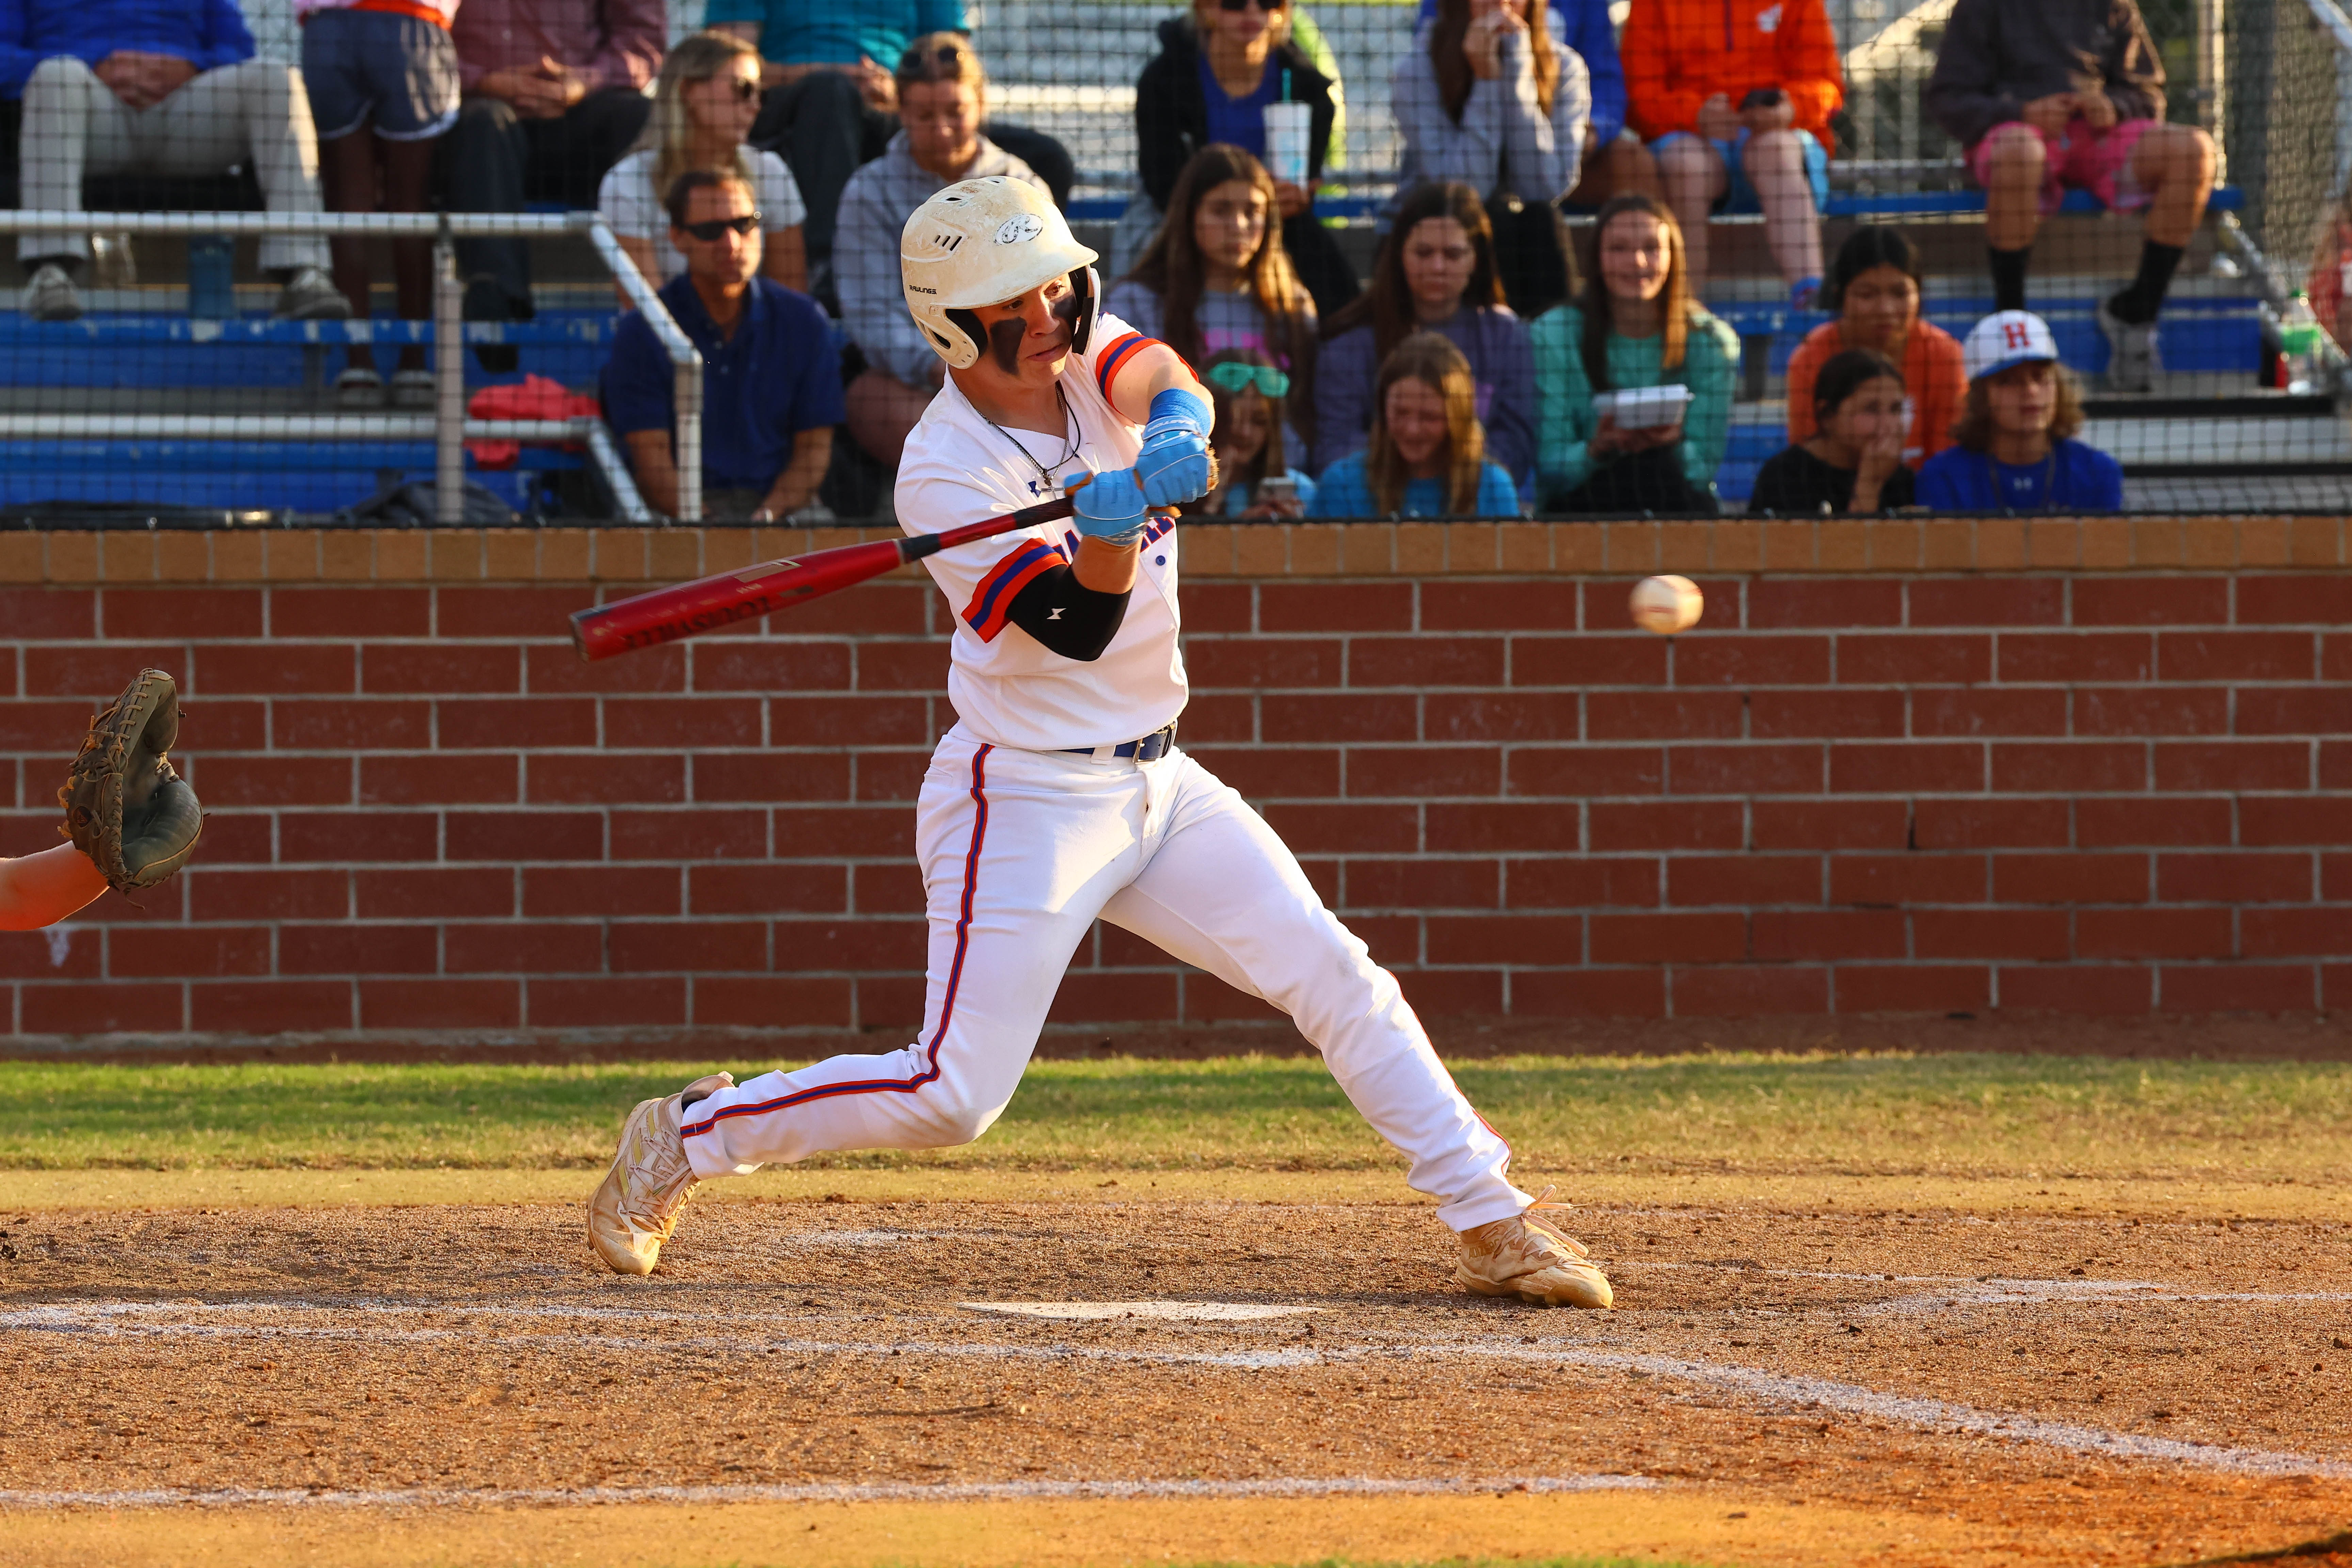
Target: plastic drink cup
[(1287, 126)]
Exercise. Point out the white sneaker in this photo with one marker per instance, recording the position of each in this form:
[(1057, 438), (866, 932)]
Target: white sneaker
[(51, 296), (1528, 1257), (636, 1208), (358, 389), (415, 391), (311, 296), (2132, 362)]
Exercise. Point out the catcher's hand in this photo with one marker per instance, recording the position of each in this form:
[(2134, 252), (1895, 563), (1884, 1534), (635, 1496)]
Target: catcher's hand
[(125, 808)]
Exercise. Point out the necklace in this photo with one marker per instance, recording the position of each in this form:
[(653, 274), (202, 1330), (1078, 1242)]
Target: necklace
[(1070, 439)]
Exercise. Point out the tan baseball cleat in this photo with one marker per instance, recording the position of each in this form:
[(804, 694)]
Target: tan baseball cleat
[(1528, 1257), (637, 1205)]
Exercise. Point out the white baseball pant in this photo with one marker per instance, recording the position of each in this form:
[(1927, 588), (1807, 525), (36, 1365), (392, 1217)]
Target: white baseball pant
[(1021, 852)]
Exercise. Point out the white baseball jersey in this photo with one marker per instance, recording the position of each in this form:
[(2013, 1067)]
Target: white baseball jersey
[(1008, 689)]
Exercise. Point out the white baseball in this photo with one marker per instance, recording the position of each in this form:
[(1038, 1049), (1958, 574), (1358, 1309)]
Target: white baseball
[(1667, 604)]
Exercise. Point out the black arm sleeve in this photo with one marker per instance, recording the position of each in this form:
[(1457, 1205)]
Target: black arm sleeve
[(1067, 616)]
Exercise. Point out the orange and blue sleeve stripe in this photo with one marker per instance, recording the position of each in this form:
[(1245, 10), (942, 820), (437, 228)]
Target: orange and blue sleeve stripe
[(991, 609), (1108, 363)]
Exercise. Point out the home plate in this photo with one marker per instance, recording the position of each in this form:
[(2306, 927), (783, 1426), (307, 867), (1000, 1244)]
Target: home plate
[(1176, 1312)]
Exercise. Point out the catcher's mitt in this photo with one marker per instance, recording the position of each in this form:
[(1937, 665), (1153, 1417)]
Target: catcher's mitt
[(125, 808)]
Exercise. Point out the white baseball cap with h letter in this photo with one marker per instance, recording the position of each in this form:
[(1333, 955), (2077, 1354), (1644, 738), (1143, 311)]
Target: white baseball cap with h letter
[(2004, 338)]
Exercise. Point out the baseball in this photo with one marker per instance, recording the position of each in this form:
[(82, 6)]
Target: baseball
[(1667, 604)]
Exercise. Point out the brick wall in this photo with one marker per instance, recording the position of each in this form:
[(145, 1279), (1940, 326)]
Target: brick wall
[(2095, 767)]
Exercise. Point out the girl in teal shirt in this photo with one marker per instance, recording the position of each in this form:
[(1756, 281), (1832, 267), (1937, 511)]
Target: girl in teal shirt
[(1636, 326), (1426, 454)]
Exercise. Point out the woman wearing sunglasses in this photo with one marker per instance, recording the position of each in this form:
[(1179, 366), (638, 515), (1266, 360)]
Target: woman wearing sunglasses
[(704, 103), (1254, 478)]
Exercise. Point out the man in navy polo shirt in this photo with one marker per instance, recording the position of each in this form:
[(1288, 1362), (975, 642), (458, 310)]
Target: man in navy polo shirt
[(771, 375)]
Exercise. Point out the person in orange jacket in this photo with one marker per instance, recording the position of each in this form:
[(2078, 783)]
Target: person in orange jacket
[(1735, 98)]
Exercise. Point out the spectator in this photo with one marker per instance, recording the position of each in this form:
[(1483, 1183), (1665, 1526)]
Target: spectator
[(2014, 448), (833, 104), (1435, 271), (1489, 101), (1216, 71), (1637, 326), (1254, 478), (384, 90), (2044, 96), (1735, 98), (1875, 288), (1427, 452), (772, 386), (169, 87), (941, 95), (554, 95), (1217, 277), (1853, 459), (1614, 159), (704, 103)]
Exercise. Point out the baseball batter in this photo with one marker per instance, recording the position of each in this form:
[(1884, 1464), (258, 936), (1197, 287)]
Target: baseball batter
[(1060, 797)]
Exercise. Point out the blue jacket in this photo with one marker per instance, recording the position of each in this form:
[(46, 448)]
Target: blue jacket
[(207, 34), (2073, 477), (1584, 27)]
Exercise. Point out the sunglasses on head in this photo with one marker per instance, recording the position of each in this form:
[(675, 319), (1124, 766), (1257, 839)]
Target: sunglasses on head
[(913, 60), (711, 230), (1269, 6), (1236, 377)]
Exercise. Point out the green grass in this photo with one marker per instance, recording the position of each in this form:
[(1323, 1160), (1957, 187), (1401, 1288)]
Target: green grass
[(1883, 1114)]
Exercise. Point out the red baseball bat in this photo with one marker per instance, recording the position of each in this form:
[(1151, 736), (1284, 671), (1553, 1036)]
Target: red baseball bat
[(706, 604)]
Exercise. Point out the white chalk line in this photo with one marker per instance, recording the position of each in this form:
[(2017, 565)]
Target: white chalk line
[(1784, 1392), (944, 1491)]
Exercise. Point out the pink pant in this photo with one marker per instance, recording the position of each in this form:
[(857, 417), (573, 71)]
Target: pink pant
[(2098, 161)]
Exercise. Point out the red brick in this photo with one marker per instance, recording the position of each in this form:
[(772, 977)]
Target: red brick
[(2293, 710), (224, 724), (1744, 880), (1832, 713), (1208, 1000), (1861, 769), (168, 952), (223, 895), (2070, 879), (779, 775), (562, 892), (269, 781), (1225, 607), (1780, 935), (1906, 880), (1335, 606), (2167, 822), (2076, 656), (888, 1003), (1835, 603), (2151, 601), (60, 612), (1990, 933), (1988, 601), (877, 609), (2306, 599), (666, 723), (2325, 931), (1422, 884), (1220, 716), (1747, 770), (1378, 828), (2236, 655), (769, 1001), (558, 671), (1589, 994), (374, 611), (1830, 824), (276, 670), (1500, 716), (95, 673), (1343, 716), (1416, 772), (108, 1009), (77, 955), (515, 722), (341, 838), (1587, 661), (2064, 766), (2239, 988), (1087, 997), (852, 945), (2152, 933), (505, 835), (155, 614), (2335, 877), (511, 612), (1538, 603), (2335, 658), (1540, 939), (2312, 819), (513, 947), (736, 664), (1736, 660), (1913, 987), (40, 726), (696, 835), (445, 778), (436, 893), (349, 726), (663, 946), (2239, 765), (440, 1003), (1215, 663), (1668, 937), (1586, 771), (1422, 661), (1454, 992), (1913, 659), (2233, 878), (441, 668), (1987, 823), (1662, 715), (236, 838), (881, 775), (1988, 711), (1749, 992), (1666, 824), (2078, 988), (780, 889), (1583, 881), (901, 666), (350, 949), (2335, 987), (2151, 711), (603, 778), (271, 1007)]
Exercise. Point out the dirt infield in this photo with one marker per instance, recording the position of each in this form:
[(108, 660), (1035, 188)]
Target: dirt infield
[(810, 1381)]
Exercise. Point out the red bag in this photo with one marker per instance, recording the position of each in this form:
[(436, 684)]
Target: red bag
[(533, 397)]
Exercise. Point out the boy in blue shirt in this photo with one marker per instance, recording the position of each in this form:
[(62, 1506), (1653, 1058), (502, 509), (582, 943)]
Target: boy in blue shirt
[(2016, 449)]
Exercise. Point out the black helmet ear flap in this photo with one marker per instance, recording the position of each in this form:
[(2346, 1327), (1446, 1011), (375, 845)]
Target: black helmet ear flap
[(1086, 290)]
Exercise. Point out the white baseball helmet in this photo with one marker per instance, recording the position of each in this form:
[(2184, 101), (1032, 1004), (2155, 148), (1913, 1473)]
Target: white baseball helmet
[(982, 242)]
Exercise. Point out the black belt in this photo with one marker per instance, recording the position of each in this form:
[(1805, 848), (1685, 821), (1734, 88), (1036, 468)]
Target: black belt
[(1149, 749)]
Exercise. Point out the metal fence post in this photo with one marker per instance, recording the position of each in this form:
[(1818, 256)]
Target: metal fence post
[(449, 387)]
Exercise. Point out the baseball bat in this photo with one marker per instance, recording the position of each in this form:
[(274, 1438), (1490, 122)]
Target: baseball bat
[(706, 604)]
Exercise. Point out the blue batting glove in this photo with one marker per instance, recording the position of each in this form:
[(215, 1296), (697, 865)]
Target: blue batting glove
[(1111, 508), (1173, 465)]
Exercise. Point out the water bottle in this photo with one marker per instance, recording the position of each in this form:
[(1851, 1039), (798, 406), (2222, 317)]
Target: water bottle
[(2299, 337), (212, 276)]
